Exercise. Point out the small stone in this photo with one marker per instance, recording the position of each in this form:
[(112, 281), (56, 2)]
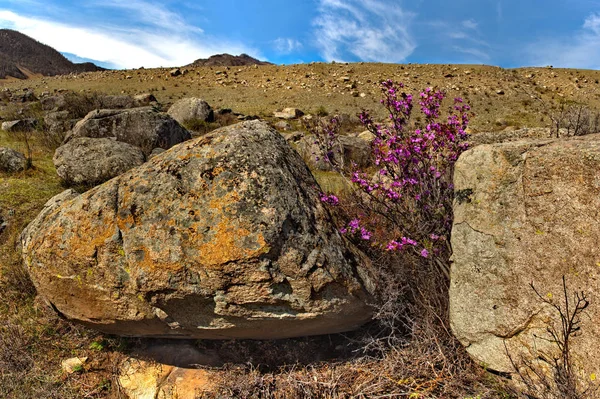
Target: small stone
[(12, 161), (73, 365), (288, 113)]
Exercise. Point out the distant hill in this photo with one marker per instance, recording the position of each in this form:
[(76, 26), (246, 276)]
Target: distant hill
[(21, 55), (228, 60)]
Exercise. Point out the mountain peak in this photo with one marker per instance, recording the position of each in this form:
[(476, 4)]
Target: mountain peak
[(228, 60), (21, 56)]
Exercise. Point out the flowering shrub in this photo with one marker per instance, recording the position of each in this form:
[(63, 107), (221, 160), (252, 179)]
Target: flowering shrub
[(404, 202)]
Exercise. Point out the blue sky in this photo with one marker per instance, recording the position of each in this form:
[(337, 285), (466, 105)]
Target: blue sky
[(153, 33)]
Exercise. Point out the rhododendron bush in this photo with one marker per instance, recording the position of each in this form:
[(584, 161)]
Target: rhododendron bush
[(404, 201)]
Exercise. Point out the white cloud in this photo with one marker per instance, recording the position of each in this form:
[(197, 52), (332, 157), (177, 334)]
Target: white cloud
[(470, 24), (593, 23), (480, 55), (158, 44), (287, 45), (463, 37), (157, 16), (581, 50), (370, 30)]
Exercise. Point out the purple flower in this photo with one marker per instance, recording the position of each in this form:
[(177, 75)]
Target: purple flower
[(354, 225), (329, 199), (365, 234), (424, 253)]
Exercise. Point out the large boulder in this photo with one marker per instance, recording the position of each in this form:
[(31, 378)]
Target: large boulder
[(188, 109), (220, 237), (142, 127), (88, 161), (526, 212), (12, 161)]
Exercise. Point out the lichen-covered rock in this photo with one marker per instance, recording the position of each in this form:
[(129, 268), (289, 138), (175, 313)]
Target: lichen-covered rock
[(220, 237), (88, 161), (141, 127), (188, 109), (526, 212), (12, 161)]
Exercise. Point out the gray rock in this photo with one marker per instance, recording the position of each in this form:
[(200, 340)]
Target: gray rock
[(91, 161), (293, 136), (144, 99), (288, 113), (527, 212), (56, 126), (191, 108), (27, 96), (23, 125), (220, 237), (141, 127), (12, 161), (3, 221), (283, 125), (54, 103), (55, 117)]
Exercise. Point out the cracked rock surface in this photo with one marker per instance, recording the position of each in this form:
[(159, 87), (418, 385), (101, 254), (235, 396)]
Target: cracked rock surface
[(219, 237), (531, 214)]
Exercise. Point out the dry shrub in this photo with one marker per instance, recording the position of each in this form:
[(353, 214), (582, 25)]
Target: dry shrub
[(555, 376), (576, 118), (408, 351)]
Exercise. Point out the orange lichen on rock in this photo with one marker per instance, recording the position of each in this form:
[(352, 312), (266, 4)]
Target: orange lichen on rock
[(228, 245)]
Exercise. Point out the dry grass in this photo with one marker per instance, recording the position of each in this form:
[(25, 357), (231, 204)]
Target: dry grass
[(408, 352)]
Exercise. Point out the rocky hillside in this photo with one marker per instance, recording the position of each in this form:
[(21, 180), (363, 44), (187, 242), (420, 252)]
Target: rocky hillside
[(501, 98), (228, 60), (22, 56)]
